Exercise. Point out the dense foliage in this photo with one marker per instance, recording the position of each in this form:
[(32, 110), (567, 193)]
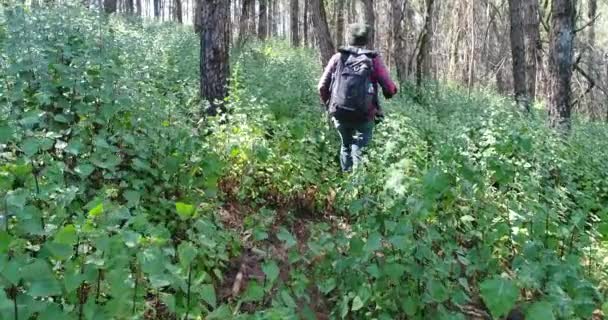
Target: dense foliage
[(118, 203)]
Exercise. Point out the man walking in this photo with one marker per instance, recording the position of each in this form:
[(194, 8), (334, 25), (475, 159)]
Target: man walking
[(349, 90)]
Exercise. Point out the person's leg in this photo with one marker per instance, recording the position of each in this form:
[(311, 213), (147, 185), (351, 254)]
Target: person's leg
[(346, 137), (362, 137)]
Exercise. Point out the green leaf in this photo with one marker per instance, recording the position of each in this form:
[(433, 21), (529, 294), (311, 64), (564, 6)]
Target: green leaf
[(221, 313), (286, 237), (41, 278), (254, 292), (67, 235), (185, 211), (394, 270), (374, 243), (540, 311), (186, 252), (84, 170), (437, 291), (6, 133), (357, 304), (5, 241), (208, 294), (96, 211), (132, 198), (271, 269), (499, 295)]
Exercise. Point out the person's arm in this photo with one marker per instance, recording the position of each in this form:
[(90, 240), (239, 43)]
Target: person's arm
[(381, 74), (325, 81)]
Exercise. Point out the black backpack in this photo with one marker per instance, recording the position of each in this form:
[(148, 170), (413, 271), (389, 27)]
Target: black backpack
[(351, 89)]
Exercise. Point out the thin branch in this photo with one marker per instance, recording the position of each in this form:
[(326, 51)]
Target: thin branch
[(588, 24)]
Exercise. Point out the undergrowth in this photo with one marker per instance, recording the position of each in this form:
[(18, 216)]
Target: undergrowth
[(117, 202)]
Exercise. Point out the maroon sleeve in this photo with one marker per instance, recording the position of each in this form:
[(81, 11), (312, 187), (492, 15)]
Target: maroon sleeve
[(325, 81), (382, 76)]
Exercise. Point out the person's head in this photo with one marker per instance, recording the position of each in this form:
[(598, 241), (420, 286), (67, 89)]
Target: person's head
[(358, 34)]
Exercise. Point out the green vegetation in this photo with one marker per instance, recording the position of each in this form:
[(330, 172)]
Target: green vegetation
[(118, 203)]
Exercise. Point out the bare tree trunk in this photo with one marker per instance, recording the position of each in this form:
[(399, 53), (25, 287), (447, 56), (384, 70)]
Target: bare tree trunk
[(244, 25), (423, 61), (130, 7), (215, 42), (518, 53), (139, 8), (305, 31), (274, 17), (109, 6), (593, 61), (157, 8), (532, 44), (263, 20), (399, 39), (339, 22), (472, 49), (198, 16), (560, 64), (178, 11), (369, 18), (323, 36), (295, 26)]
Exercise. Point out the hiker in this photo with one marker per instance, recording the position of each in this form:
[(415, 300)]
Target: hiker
[(349, 91)]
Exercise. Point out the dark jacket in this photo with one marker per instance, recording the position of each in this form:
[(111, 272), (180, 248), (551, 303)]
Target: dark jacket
[(380, 77)]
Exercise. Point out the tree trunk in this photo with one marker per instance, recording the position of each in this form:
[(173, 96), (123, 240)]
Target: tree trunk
[(518, 53), (339, 22), (369, 18), (423, 61), (138, 5), (305, 26), (532, 44), (560, 64), (244, 20), (399, 39), (109, 6), (263, 20), (130, 6), (198, 16), (215, 42), (274, 17), (319, 21), (178, 11), (157, 8), (594, 62), (294, 25)]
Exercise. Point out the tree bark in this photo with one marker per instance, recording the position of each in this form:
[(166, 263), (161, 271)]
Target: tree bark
[(323, 36), (109, 6), (423, 61), (532, 44), (215, 63), (178, 11), (157, 8), (130, 6), (262, 20), (198, 16), (399, 39), (244, 20), (274, 17), (518, 53), (294, 22), (339, 22), (305, 26), (369, 18), (139, 10), (593, 61), (560, 64)]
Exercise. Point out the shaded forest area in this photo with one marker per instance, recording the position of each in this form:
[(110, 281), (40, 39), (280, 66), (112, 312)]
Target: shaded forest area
[(170, 160)]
